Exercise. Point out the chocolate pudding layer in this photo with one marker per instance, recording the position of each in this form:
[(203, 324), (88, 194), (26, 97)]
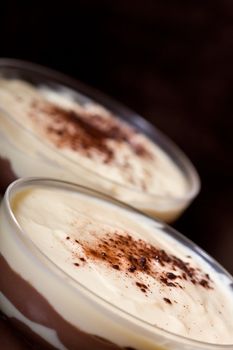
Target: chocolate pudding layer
[(7, 174), (15, 335), (10, 339), (30, 303), (94, 274), (59, 133)]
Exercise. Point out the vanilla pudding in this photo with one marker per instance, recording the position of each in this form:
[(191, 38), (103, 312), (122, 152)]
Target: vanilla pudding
[(56, 132), (94, 274)]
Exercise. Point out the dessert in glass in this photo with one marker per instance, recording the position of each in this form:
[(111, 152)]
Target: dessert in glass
[(81, 270), (55, 127)]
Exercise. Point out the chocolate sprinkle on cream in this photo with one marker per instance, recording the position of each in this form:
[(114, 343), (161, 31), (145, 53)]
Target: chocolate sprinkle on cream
[(168, 301), (128, 255), (85, 131)]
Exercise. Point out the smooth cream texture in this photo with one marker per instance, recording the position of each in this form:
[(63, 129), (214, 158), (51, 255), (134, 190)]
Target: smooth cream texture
[(161, 176), (48, 216)]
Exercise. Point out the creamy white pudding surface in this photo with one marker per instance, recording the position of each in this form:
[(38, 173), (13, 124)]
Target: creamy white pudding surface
[(92, 137), (128, 260)]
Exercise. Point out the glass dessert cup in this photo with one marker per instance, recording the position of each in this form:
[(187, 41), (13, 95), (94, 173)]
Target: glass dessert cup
[(66, 314), (10, 339), (24, 154)]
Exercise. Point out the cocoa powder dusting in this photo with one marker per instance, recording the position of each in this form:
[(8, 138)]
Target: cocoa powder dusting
[(171, 276), (85, 132), (142, 286), (168, 301), (128, 255)]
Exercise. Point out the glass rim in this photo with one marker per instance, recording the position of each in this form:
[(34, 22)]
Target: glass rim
[(159, 138), (146, 328)]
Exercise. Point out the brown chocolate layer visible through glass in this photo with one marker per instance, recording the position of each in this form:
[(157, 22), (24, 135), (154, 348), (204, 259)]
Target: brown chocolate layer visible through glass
[(6, 174), (15, 335), (9, 338), (37, 309)]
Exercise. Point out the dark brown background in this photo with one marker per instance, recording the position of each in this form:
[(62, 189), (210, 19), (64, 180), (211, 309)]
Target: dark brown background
[(170, 60)]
